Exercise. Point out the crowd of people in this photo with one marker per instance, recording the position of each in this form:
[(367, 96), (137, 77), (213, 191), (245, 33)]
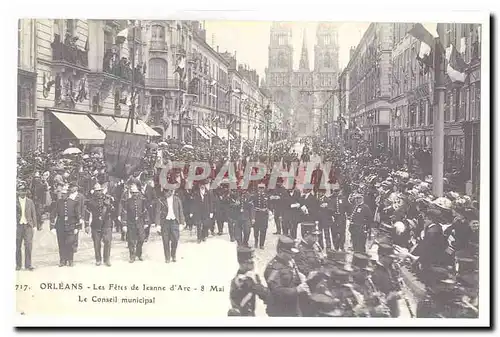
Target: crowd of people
[(395, 225), (390, 215)]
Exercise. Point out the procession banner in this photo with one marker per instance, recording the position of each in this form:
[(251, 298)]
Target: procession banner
[(123, 152)]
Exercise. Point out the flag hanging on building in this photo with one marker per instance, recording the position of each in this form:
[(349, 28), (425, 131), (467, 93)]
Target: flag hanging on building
[(180, 66), (426, 37), (456, 65)]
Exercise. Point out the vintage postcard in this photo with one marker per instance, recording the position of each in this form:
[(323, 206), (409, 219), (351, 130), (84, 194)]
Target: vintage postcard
[(189, 171)]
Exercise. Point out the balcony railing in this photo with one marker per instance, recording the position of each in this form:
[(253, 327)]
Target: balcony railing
[(165, 83), (178, 49), (70, 54), (158, 45), (122, 69)]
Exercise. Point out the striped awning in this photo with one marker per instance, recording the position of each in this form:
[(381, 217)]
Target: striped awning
[(82, 127), (202, 132), (119, 124)]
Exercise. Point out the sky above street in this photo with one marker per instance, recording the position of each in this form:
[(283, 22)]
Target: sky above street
[(250, 40)]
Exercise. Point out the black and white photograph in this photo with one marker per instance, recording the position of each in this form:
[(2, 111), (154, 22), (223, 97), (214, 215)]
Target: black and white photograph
[(182, 170)]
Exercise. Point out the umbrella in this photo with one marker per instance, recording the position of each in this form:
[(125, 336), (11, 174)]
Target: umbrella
[(72, 150)]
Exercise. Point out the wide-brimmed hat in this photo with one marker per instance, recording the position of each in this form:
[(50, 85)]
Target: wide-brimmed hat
[(98, 187), (443, 203)]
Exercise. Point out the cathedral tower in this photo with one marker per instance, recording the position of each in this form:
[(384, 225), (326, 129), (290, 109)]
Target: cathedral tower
[(280, 63)]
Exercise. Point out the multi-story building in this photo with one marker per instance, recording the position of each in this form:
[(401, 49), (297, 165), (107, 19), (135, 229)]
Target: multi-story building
[(210, 84), (167, 46), (369, 72), (88, 79), (412, 99), (343, 102), (29, 128), (304, 92)]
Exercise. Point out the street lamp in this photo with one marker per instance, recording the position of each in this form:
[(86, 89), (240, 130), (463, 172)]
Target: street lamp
[(267, 114)]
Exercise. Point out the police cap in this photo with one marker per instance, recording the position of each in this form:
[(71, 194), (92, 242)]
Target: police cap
[(245, 254), (287, 244), (309, 228)]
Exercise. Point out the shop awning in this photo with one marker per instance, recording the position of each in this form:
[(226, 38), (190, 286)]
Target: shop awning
[(82, 127), (119, 124), (208, 131), (202, 132), (224, 134)]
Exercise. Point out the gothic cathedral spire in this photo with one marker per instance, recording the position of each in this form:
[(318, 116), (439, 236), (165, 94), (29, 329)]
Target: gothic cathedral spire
[(304, 56)]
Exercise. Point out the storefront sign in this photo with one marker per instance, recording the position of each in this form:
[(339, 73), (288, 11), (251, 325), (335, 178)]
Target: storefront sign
[(123, 152)]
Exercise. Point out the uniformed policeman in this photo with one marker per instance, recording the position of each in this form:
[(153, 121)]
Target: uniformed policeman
[(284, 280), (373, 305), (278, 197), (243, 214), (443, 299), (339, 209), (386, 278), (66, 221), (361, 220), (136, 213), (101, 208), (260, 203), (310, 256), (246, 285)]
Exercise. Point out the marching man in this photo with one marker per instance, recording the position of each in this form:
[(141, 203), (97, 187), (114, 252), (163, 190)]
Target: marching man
[(66, 221), (136, 212)]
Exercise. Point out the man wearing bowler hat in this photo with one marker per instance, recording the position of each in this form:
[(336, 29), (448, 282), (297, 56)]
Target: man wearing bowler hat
[(246, 285), (284, 280)]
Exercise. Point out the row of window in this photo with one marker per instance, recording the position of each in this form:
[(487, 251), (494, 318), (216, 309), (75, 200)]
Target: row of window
[(407, 74)]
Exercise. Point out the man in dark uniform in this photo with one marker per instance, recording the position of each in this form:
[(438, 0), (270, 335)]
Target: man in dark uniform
[(361, 220), (244, 215), (291, 212), (310, 256), (101, 208), (66, 220), (222, 210), (338, 205), (386, 278), (277, 197), (284, 281), (136, 213), (260, 203), (75, 194), (150, 196), (372, 304), (444, 298), (245, 286)]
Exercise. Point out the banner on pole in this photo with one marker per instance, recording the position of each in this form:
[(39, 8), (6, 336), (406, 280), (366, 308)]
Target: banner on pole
[(123, 153)]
